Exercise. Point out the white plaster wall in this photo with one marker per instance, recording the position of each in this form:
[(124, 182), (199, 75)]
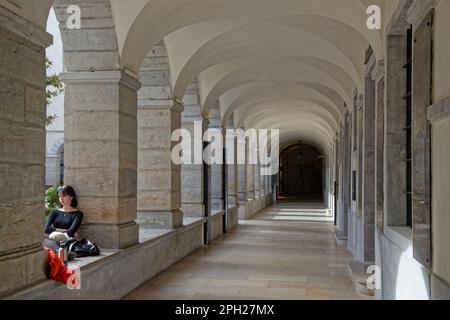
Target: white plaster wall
[(403, 278)]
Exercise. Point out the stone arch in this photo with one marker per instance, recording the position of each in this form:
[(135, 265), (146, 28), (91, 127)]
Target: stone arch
[(230, 46), (277, 95), (95, 46), (138, 40), (215, 85), (57, 146)]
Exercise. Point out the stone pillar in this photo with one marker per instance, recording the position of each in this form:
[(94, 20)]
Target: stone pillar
[(394, 133), (22, 151), (242, 183), (347, 172), (233, 199), (217, 201), (262, 183), (368, 165), (243, 179), (256, 181), (250, 175), (192, 188), (159, 179), (100, 153), (378, 76)]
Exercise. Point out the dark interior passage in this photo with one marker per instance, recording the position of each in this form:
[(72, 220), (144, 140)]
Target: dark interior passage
[(301, 172)]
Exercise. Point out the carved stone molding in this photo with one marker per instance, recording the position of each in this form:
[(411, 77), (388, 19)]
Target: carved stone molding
[(371, 63), (24, 28), (439, 111), (360, 102), (102, 77), (419, 10), (378, 71)]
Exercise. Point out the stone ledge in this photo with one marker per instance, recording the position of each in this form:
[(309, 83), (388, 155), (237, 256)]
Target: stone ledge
[(86, 77), (439, 111), (418, 11), (116, 273)]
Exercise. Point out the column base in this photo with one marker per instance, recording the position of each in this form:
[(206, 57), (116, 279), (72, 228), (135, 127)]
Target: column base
[(108, 236), (161, 219)]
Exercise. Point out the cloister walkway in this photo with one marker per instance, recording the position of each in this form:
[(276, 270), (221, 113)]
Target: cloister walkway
[(287, 251)]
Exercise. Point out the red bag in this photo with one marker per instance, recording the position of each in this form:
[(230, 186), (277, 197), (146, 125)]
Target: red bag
[(58, 270)]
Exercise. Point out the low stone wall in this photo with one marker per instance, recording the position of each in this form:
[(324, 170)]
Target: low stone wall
[(115, 276), (216, 224), (232, 217), (249, 209)]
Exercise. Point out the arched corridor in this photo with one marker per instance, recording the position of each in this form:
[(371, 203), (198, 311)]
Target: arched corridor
[(304, 141), (287, 251)]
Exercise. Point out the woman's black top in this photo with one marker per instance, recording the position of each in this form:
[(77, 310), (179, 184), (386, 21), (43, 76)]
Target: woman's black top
[(69, 221)]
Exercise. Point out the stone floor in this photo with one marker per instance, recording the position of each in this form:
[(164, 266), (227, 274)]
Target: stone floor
[(288, 251)]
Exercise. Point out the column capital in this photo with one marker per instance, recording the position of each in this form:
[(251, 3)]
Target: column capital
[(121, 77), (161, 104), (378, 71), (419, 10), (215, 123), (439, 111)]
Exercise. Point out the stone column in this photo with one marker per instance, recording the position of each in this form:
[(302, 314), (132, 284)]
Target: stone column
[(192, 188), (250, 175), (242, 183), (347, 172), (159, 179), (233, 198), (243, 179), (100, 153), (378, 76), (262, 184), (250, 182), (368, 165), (22, 151), (256, 181), (217, 200)]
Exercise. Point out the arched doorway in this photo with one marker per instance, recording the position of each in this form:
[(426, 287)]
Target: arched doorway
[(301, 173)]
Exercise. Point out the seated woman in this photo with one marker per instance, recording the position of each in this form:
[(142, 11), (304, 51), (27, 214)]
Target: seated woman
[(63, 223)]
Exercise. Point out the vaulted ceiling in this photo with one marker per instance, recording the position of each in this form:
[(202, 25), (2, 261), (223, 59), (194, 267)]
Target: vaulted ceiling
[(286, 64)]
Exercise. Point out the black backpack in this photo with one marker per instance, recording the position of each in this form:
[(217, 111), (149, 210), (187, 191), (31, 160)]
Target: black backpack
[(82, 248)]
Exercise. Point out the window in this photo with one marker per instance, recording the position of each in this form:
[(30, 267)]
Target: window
[(354, 185)]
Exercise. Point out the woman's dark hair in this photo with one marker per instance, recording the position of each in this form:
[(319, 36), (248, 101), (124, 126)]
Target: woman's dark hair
[(69, 191)]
